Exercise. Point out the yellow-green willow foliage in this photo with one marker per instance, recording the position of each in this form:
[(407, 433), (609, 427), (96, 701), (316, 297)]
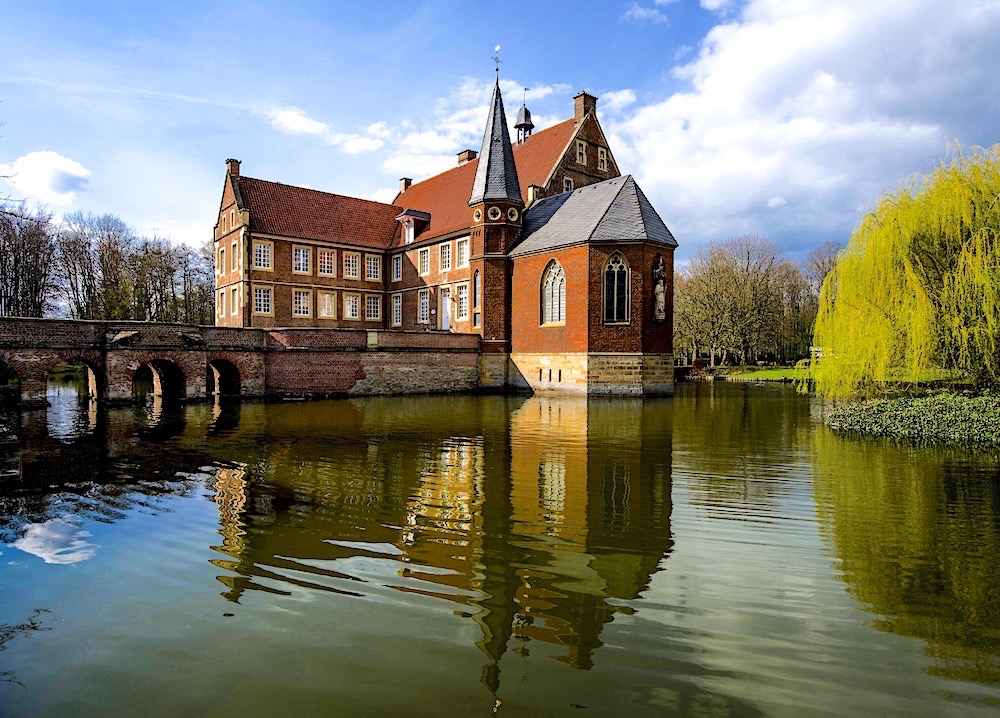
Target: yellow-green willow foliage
[(917, 291)]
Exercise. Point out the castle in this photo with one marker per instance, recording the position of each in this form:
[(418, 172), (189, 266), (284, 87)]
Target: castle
[(540, 247)]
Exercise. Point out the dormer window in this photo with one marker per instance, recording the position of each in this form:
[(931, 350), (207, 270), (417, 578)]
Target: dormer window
[(409, 219), (408, 228)]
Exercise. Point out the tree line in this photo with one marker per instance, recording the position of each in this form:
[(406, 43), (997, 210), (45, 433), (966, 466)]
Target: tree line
[(98, 267), (740, 302)]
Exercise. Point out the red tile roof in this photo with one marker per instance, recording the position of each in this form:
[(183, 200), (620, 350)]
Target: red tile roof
[(446, 196), (310, 214)]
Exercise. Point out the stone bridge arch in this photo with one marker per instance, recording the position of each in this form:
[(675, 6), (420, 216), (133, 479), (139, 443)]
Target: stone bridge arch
[(33, 366), (176, 375)]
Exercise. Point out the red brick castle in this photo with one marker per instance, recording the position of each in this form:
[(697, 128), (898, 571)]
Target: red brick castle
[(541, 247)]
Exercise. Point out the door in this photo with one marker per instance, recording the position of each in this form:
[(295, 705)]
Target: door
[(445, 310)]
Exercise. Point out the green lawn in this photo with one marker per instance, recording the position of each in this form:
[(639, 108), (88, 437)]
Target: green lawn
[(776, 374)]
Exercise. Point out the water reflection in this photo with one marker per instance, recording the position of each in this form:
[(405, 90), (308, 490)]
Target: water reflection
[(529, 525)]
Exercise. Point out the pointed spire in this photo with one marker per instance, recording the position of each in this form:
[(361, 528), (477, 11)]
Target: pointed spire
[(496, 175)]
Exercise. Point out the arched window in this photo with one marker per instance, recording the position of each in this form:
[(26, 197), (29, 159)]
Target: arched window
[(616, 290), (553, 294)]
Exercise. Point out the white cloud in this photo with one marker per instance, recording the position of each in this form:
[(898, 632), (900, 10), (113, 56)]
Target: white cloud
[(58, 541), (47, 177), (816, 104), (384, 194), (294, 121), (617, 100), (638, 13)]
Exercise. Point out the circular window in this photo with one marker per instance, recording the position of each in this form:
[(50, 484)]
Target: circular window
[(512, 214), (493, 213), (477, 216)]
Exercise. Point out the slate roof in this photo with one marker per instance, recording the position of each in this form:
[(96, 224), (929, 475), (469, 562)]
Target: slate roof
[(445, 196), (289, 211), (496, 173), (611, 210)]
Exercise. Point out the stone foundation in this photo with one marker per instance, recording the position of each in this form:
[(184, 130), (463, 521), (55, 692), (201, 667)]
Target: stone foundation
[(617, 374)]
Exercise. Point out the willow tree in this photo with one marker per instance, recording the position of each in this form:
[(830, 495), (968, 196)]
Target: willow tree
[(916, 293)]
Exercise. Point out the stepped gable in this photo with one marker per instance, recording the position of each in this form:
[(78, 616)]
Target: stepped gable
[(288, 211), (445, 196), (616, 209)]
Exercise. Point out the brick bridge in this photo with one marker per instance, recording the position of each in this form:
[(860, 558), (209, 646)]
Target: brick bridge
[(194, 362)]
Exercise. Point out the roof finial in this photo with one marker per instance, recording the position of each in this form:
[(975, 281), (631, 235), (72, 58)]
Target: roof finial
[(525, 100), (497, 60)]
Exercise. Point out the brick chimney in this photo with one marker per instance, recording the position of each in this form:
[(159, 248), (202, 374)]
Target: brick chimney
[(404, 184), (534, 194), (233, 167), (466, 156), (583, 104)]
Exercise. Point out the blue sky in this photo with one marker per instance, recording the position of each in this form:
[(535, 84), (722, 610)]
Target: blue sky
[(782, 118)]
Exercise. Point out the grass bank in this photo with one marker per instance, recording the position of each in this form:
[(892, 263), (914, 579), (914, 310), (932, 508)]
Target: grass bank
[(787, 374), (943, 417)]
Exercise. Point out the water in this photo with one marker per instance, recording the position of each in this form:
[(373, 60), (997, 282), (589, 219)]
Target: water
[(720, 553)]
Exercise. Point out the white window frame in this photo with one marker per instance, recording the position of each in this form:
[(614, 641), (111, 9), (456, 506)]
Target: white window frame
[(267, 247), (617, 256), (373, 300), (397, 268), (220, 268), (373, 261), (306, 308), (409, 232), (462, 302), (332, 255), (397, 310), (233, 259), (424, 306), (352, 301), (325, 298), (352, 258), (462, 253), (259, 293), (298, 251), (444, 257), (220, 306), (568, 184), (234, 300), (424, 261)]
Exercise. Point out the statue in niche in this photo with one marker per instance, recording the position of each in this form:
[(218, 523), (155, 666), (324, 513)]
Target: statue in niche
[(660, 290)]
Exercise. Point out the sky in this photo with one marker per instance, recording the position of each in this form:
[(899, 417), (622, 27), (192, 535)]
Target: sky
[(779, 118)]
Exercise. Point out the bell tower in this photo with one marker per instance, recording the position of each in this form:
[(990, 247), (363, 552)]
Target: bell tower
[(496, 207)]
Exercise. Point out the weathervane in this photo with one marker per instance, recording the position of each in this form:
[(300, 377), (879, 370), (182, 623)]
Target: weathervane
[(497, 60), (525, 100)]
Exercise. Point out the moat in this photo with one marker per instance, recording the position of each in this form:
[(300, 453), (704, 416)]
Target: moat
[(718, 553)]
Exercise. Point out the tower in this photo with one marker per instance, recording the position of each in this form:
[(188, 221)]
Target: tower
[(496, 207), (524, 124)]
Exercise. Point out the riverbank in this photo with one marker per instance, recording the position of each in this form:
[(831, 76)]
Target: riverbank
[(936, 418)]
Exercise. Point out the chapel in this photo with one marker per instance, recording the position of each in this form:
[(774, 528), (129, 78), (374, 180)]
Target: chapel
[(540, 246)]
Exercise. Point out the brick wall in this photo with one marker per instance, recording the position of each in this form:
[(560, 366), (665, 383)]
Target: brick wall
[(527, 333)]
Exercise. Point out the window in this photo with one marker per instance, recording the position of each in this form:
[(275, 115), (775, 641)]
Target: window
[(462, 259), (397, 268), (462, 301), (476, 298), (424, 261), (602, 159), (567, 185), (373, 306), (616, 281), (232, 218), (327, 262), (352, 306), (234, 300), (397, 310), (220, 268), (220, 308), (232, 258), (352, 265), (445, 257), (262, 303), (373, 267), (327, 305), (262, 255), (301, 303), (424, 306), (301, 260), (409, 232), (581, 152), (553, 294)]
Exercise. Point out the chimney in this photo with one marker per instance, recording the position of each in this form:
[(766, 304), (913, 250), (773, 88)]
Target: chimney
[(233, 167), (404, 184), (534, 194), (466, 156), (583, 105)]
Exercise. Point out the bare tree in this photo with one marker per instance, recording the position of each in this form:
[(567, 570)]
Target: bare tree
[(821, 261), (27, 247)]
